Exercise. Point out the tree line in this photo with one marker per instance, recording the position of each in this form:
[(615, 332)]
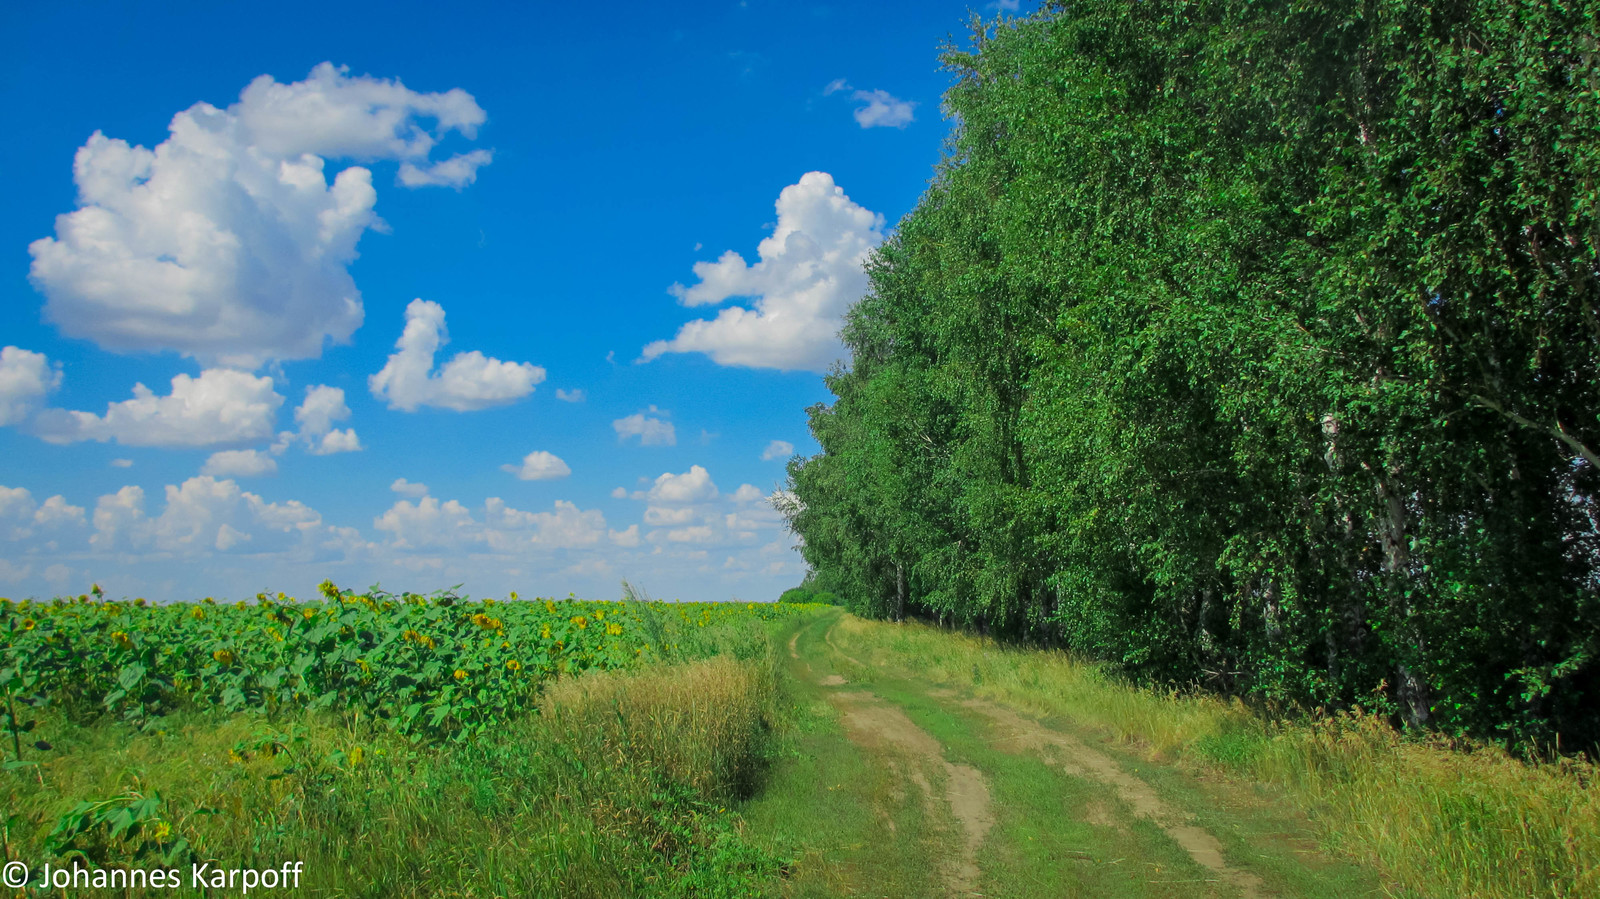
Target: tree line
[(1252, 344)]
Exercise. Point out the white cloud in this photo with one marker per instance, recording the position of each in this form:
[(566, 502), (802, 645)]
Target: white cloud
[(458, 171), (240, 463), (22, 519), (201, 515), (658, 516), (836, 85), (468, 382), (747, 493), (697, 534), (692, 486), (322, 407), (568, 526), (539, 466), (121, 463), (221, 406), (651, 431), (753, 519), (226, 242), (883, 110), (118, 518), (56, 512), (627, 539), (777, 449), (14, 574), (426, 522), (810, 272), (343, 441), (619, 493), (571, 396), (26, 378), (407, 488), (430, 524)]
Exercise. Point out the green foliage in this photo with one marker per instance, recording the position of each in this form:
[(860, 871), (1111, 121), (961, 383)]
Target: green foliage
[(622, 782), (436, 667), (1252, 344), (127, 827), (804, 594)]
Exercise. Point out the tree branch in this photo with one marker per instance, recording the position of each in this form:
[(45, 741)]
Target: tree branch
[(1555, 430)]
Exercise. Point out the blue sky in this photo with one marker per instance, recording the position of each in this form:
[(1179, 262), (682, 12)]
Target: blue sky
[(525, 298)]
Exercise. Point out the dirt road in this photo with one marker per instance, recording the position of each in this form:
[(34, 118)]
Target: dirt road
[(970, 797)]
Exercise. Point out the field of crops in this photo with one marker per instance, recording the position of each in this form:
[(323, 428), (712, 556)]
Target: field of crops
[(436, 666)]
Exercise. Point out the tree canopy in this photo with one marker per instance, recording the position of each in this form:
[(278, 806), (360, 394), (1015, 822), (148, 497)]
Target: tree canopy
[(1247, 344)]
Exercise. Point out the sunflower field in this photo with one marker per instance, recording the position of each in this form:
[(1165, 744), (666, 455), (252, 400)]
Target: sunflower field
[(436, 666)]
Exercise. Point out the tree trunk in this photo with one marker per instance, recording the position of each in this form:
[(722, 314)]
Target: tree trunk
[(1410, 688), (899, 592)]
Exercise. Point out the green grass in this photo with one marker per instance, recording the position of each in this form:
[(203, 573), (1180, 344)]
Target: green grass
[(1057, 835), (729, 773), (828, 804), (1448, 821), (623, 784)]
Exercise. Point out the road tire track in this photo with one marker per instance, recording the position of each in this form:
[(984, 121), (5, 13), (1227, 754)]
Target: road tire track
[(1080, 760), (873, 723)]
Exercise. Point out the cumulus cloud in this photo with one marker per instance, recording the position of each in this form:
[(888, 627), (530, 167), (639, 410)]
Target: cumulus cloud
[(240, 463), (747, 493), (883, 110), (227, 242), (431, 524), (121, 463), (627, 538), (836, 85), (342, 441), (777, 449), (809, 273), (458, 171), (468, 382), (428, 522), (693, 486), (567, 526), (322, 407), (659, 516), (696, 534), (219, 407), (753, 518), (203, 514), (22, 519), (119, 519), (539, 466), (26, 378), (650, 430), (571, 396), (407, 488)]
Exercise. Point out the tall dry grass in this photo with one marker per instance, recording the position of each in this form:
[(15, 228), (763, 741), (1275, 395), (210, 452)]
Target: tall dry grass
[(700, 724), (1452, 820)]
